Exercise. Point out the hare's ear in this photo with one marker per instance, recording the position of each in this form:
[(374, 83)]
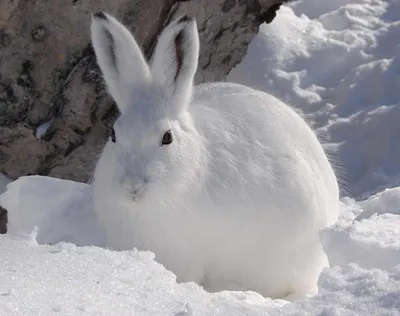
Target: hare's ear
[(120, 59), (175, 59)]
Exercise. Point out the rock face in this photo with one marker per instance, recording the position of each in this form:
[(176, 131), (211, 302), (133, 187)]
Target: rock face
[(54, 109)]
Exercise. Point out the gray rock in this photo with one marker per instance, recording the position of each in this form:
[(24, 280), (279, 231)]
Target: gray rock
[(3, 220), (54, 110)]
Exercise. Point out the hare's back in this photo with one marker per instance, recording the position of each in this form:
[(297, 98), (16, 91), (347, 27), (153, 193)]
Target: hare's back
[(241, 117), (262, 147)]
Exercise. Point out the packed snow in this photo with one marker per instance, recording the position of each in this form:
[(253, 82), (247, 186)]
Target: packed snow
[(52, 262), (339, 62)]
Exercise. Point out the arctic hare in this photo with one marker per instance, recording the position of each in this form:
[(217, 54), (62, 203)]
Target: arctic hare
[(227, 185)]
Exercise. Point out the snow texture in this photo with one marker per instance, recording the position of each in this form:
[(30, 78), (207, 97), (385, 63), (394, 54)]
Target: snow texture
[(339, 61), (52, 264)]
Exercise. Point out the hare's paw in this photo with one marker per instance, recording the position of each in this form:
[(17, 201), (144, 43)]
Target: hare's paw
[(292, 296)]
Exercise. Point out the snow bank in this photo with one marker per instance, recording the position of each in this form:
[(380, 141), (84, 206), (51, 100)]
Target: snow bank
[(60, 209), (338, 61), (67, 279), (370, 239)]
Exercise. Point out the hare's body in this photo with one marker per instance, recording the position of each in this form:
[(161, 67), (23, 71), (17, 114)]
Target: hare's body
[(235, 194)]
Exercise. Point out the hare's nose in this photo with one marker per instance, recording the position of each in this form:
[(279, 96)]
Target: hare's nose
[(135, 187), (137, 190)]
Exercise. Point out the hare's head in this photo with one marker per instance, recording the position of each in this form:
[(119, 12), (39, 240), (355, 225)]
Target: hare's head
[(153, 145)]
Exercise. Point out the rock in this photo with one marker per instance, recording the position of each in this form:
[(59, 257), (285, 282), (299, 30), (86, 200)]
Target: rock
[(3, 220), (54, 110)]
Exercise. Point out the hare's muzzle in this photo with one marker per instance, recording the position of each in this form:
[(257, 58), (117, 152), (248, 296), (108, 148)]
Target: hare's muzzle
[(134, 187)]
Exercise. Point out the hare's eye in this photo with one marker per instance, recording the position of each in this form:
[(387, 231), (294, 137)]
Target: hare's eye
[(113, 139), (167, 138)]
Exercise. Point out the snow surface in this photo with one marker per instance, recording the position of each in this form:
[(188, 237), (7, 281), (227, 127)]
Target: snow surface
[(338, 61), (52, 263)]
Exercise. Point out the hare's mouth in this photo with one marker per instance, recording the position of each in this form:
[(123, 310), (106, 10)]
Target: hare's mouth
[(136, 194)]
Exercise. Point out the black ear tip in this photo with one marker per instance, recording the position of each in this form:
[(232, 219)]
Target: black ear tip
[(185, 18), (100, 15)]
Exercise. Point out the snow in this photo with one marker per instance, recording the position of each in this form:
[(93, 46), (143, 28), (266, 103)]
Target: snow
[(4, 180), (52, 262), (370, 242), (339, 62), (42, 129), (60, 209)]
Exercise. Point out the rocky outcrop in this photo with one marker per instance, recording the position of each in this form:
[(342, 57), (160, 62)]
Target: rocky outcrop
[(54, 110)]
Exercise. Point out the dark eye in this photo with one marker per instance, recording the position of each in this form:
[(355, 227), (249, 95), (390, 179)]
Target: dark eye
[(167, 138), (113, 139)]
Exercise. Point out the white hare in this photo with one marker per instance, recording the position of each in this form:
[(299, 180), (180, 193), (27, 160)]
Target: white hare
[(227, 185)]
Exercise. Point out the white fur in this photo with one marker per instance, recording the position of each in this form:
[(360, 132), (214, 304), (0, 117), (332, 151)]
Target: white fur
[(131, 68), (237, 200)]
